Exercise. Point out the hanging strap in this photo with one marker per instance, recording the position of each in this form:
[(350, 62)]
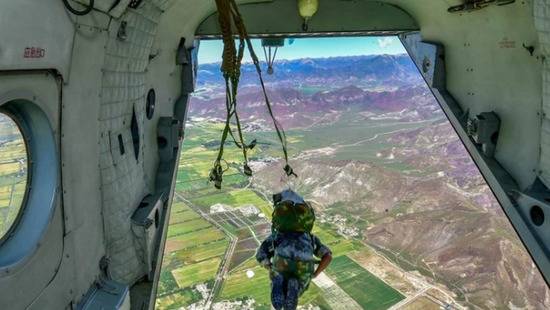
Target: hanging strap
[(280, 132), (231, 66), (228, 14)]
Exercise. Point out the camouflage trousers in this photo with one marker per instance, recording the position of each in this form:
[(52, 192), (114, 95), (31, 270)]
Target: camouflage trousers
[(286, 291)]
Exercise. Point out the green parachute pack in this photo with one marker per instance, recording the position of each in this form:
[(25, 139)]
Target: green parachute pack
[(291, 213)]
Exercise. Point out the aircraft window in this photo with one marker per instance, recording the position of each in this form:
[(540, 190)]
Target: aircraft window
[(409, 219), (27, 141), (13, 173)]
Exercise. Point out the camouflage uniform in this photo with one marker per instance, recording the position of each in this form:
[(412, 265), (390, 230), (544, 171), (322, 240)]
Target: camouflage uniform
[(292, 257)]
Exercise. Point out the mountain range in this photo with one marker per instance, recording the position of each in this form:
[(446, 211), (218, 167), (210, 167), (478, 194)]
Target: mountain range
[(305, 90), (395, 70)]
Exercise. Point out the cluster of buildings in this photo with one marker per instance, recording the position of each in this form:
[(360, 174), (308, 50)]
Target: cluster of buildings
[(341, 225)]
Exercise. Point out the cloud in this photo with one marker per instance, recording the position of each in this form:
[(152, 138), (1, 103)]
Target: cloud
[(385, 42)]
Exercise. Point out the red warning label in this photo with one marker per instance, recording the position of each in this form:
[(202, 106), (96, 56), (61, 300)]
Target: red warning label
[(34, 52)]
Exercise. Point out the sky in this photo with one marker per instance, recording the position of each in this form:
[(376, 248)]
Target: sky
[(210, 50)]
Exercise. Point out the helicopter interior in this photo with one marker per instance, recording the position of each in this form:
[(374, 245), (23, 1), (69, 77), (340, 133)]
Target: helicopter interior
[(100, 93)]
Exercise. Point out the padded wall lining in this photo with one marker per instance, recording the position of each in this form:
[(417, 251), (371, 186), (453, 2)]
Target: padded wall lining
[(123, 178)]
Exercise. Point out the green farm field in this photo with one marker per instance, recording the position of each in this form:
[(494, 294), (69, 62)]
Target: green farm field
[(366, 289), (188, 227), (193, 252), (196, 273)]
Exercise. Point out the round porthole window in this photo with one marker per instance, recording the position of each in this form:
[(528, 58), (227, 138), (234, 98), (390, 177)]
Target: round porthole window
[(150, 105), (29, 180), (13, 173)]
